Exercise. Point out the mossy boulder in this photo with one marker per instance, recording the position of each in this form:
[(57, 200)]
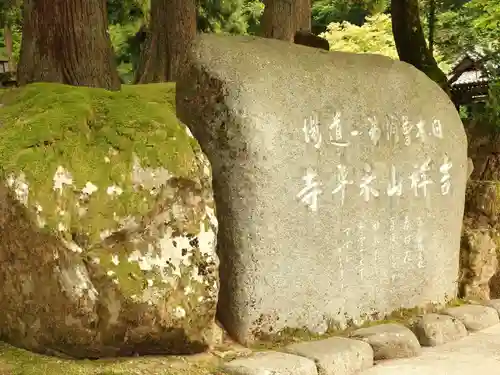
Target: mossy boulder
[(107, 224)]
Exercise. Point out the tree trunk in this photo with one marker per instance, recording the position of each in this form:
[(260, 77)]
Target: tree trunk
[(171, 31), (431, 20), (410, 40), (67, 41), (303, 16), (7, 34), (283, 18)]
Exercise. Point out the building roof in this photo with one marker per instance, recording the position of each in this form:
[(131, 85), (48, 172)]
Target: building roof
[(470, 77), (474, 54), (470, 69)]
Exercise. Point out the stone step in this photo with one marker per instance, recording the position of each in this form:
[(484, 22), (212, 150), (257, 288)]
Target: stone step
[(458, 341), (478, 353)]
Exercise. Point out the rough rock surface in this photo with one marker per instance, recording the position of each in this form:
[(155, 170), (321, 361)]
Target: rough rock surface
[(389, 341), (437, 329), (107, 224), (478, 258), (337, 202), (480, 274), (275, 363), (495, 303), (336, 355), (474, 317), (474, 354)]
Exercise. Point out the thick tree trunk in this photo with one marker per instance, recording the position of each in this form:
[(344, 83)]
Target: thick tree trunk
[(7, 34), (67, 41), (171, 31), (283, 18), (303, 16), (410, 40)]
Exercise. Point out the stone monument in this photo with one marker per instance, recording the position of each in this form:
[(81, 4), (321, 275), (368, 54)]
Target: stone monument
[(339, 182)]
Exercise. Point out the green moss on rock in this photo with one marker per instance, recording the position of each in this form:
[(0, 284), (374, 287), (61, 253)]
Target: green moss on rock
[(14, 361), (404, 316), (112, 197), (94, 135)]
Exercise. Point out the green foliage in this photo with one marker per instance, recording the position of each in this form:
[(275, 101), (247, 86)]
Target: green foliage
[(218, 16), (452, 33), (11, 17), (125, 18), (16, 30), (475, 24), (490, 113), (16, 39), (355, 12), (485, 20), (229, 16), (125, 11), (375, 36), (10, 12), (126, 51), (355, 25)]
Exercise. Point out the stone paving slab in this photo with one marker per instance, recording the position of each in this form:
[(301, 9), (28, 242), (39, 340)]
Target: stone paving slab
[(495, 303), (271, 363), (437, 329), (478, 353), (336, 355), (389, 341), (474, 317)]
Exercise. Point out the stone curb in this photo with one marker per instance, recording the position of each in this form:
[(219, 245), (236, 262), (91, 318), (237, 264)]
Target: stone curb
[(366, 346)]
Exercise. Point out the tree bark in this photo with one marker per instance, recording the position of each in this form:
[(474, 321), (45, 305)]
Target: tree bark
[(67, 41), (283, 18), (303, 16), (431, 20), (410, 40), (7, 34), (171, 31)]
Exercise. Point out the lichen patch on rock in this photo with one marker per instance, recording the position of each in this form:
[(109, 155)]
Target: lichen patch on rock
[(108, 208)]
